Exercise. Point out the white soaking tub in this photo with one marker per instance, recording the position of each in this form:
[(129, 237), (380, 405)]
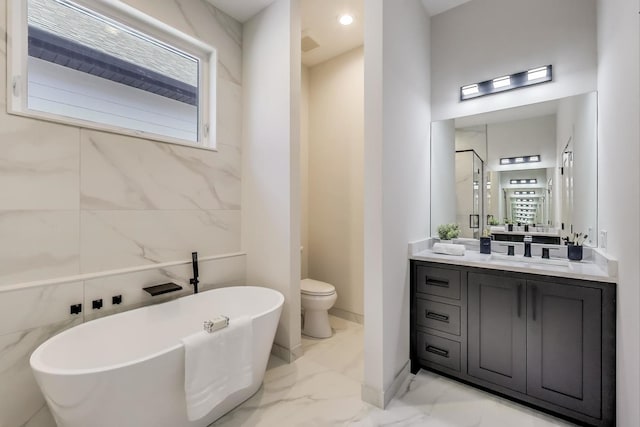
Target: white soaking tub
[(127, 370)]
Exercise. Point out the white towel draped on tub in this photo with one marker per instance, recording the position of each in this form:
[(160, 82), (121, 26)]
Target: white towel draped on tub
[(216, 365)]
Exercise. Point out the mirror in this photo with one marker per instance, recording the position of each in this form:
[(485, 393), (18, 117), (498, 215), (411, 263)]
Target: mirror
[(533, 166)]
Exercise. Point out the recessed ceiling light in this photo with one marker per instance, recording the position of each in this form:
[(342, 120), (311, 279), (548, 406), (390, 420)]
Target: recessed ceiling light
[(345, 19)]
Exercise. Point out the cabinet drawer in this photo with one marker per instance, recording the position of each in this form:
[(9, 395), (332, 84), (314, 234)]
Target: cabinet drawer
[(442, 282), (436, 315), (438, 350)]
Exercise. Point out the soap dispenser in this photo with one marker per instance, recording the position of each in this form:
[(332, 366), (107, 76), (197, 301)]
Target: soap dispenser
[(527, 246)]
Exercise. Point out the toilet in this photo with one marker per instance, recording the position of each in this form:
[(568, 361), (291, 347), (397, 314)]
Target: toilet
[(316, 300)]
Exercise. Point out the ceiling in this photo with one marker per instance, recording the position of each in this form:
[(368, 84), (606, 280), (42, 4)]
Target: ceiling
[(319, 21), (435, 7)]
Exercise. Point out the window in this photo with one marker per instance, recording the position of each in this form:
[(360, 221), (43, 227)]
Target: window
[(103, 64)]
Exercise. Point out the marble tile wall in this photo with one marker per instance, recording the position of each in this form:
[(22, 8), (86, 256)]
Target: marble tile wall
[(76, 201)]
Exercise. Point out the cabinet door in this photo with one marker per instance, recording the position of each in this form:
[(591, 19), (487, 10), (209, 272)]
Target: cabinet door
[(497, 330), (564, 345)]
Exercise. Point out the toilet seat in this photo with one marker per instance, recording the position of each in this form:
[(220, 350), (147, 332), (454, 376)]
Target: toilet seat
[(316, 287)]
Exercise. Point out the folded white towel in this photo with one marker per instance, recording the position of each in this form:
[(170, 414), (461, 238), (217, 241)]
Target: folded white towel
[(216, 365), (448, 249)]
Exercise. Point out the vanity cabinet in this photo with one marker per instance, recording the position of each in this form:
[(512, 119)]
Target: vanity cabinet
[(439, 314), (564, 345), (497, 330), (545, 341)]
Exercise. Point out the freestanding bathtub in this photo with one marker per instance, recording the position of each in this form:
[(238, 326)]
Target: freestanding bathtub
[(127, 370)]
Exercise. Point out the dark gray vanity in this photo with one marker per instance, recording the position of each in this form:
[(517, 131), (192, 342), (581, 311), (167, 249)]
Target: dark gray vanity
[(545, 341)]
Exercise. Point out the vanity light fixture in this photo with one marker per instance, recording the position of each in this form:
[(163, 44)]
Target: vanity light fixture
[(520, 159), (470, 90), (538, 73), (524, 181), (501, 82), (345, 19), (521, 79), (525, 193)]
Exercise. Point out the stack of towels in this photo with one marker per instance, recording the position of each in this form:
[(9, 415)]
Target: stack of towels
[(448, 249), (216, 365)]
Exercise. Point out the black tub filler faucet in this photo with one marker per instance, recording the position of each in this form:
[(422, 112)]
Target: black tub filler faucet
[(194, 263)]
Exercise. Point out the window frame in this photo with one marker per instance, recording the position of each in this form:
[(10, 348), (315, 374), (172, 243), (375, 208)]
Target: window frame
[(18, 55)]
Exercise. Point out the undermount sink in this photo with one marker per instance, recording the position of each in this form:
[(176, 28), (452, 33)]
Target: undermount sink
[(532, 260)]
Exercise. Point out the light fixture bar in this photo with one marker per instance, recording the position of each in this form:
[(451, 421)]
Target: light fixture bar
[(470, 90), (524, 181), (501, 82), (518, 80), (520, 159)]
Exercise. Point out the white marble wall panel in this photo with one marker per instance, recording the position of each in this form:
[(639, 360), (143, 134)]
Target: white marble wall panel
[(199, 19), (229, 114), (75, 201), (36, 307), (118, 239), (38, 245), (3, 51), (128, 173), (213, 274), (39, 164), (21, 402)]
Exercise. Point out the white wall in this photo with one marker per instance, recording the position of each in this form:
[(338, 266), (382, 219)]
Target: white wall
[(472, 138), (304, 173), (577, 122), (526, 137), (618, 183), (443, 168), (336, 147), (483, 39), (397, 116), (271, 161)]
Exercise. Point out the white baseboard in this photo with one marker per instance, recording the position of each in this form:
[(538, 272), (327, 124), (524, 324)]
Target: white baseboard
[(347, 315), (382, 398), (288, 355)]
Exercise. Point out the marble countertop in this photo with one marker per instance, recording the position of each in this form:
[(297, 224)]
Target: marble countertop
[(595, 268)]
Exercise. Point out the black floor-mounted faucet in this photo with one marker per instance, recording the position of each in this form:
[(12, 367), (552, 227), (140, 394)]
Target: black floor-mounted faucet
[(194, 263)]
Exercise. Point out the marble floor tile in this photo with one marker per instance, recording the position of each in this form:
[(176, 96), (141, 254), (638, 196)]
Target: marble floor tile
[(343, 353), (303, 393), (322, 388)]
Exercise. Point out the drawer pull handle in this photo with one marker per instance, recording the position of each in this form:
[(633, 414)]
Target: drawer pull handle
[(437, 351), (436, 316), (437, 282)]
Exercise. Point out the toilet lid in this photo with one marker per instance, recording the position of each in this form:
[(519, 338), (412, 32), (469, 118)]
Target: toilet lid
[(315, 287)]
